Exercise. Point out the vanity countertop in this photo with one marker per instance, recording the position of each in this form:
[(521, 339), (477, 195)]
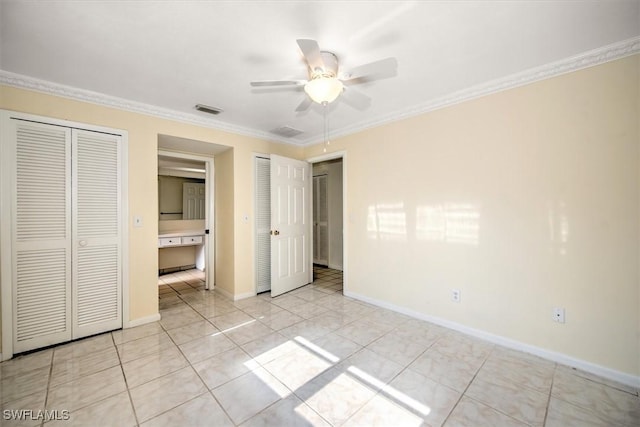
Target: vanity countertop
[(181, 233)]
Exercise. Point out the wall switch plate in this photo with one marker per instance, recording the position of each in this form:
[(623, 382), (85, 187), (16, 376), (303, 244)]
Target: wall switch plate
[(558, 314), (455, 295), (137, 221)]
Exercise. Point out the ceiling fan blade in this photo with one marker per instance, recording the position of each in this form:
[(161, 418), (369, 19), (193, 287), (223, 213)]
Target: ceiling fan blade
[(374, 70), (304, 105), (278, 83), (311, 52), (355, 99)]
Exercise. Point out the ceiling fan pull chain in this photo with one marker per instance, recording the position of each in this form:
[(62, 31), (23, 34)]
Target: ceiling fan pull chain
[(326, 126)]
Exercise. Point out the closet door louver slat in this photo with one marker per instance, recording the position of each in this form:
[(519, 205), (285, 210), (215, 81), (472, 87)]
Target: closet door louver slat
[(42, 232)]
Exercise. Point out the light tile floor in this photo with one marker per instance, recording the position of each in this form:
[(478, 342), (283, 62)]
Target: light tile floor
[(310, 357)]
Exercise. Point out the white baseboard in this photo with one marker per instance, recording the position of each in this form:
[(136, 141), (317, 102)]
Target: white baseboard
[(602, 371), (223, 292), (235, 297), (243, 296), (335, 267), (142, 321)]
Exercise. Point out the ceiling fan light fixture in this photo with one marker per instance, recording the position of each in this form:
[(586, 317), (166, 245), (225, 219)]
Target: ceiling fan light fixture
[(323, 89)]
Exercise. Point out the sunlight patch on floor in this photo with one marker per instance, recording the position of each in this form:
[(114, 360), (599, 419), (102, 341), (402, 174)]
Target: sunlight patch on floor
[(234, 327)]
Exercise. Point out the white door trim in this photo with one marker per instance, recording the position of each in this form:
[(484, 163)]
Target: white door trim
[(209, 263), (6, 227), (345, 221)]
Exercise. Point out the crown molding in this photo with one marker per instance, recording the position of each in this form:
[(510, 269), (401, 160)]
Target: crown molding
[(587, 59), (30, 83)]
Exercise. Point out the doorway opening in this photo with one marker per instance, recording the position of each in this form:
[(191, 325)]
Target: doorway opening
[(328, 214), (186, 235), (282, 227), (324, 218), (328, 223)]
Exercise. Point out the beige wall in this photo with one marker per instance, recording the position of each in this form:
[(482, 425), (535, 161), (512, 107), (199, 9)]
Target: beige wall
[(334, 184), (176, 257), (224, 222), (234, 188), (524, 200), (637, 109), (180, 225)]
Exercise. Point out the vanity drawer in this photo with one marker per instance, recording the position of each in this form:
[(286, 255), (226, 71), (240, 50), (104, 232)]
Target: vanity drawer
[(170, 241), (192, 240)]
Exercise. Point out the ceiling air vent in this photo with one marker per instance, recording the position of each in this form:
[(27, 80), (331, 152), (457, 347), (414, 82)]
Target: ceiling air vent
[(208, 109), (287, 131)]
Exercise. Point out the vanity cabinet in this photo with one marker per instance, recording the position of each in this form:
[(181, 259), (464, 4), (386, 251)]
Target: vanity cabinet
[(181, 249)]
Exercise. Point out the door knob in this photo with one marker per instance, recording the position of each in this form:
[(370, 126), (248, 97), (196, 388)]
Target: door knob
[(82, 243), (276, 233)]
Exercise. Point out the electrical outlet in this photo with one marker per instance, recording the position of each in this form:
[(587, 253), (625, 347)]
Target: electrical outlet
[(455, 295), (137, 221), (558, 314)]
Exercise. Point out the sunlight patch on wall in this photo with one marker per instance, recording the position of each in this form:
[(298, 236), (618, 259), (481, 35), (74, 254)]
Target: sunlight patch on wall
[(449, 223), (558, 226), (387, 222)]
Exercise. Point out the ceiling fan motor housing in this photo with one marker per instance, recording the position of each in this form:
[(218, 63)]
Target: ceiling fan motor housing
[(330, 61)]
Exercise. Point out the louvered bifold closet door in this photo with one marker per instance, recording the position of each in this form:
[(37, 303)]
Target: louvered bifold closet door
[(97, 275), (263, 224), (41, 235), (321, 214)]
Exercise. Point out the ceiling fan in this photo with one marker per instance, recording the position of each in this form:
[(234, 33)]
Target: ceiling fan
[(325, 85)]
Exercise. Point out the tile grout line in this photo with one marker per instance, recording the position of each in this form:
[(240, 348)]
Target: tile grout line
[(405, 368), (238, 346), (126, 383), (463, 394), (546, 409), (46, 396), (209, 391), (80, 340)]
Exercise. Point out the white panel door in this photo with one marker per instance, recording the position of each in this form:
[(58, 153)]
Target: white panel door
[(320, 221), (97, 269), (41, 249), (193, 200), (290, 216)]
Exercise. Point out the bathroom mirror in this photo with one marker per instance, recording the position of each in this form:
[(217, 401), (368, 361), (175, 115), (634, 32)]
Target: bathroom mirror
[(181, 187)]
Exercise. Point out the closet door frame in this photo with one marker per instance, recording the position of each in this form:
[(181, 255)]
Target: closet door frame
[(7, 186)]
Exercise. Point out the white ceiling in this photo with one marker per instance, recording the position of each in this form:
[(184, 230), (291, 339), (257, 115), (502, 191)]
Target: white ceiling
[(171, 55)]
